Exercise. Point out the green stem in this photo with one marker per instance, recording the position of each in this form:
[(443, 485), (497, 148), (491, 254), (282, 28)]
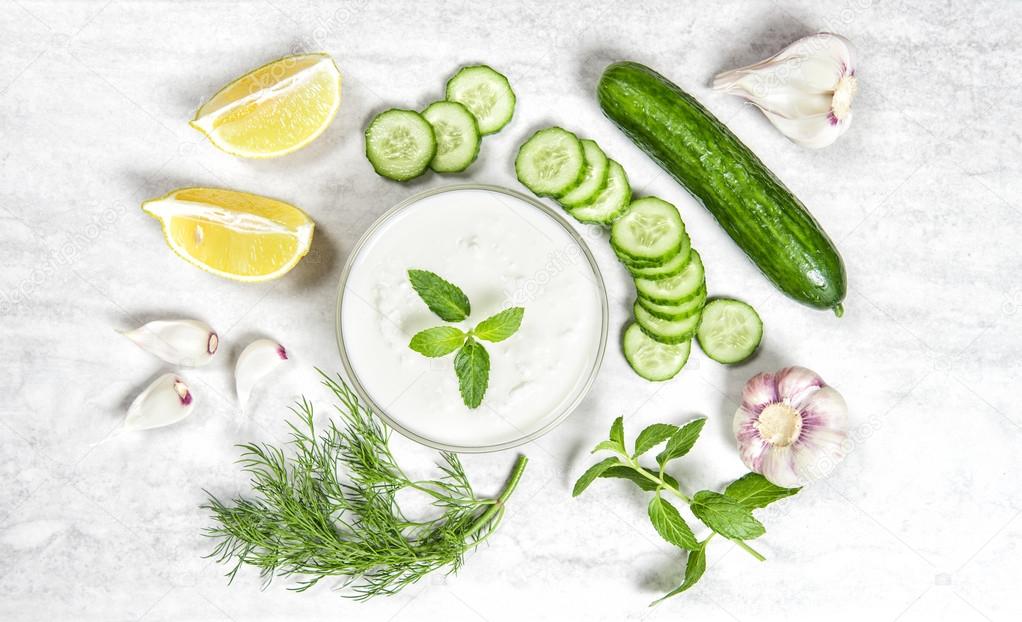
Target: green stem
[(493, 510), (663, 484)]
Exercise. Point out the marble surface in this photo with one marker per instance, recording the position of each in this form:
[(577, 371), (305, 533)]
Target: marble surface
[(921, 522)]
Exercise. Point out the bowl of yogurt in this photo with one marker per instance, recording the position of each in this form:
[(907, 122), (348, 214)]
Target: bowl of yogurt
[(502, 249)]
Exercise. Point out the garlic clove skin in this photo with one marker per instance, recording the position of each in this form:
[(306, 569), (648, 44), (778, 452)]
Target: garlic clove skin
[(180, 342), (805, 90), (791, 426), (258, 360), (165, 401)]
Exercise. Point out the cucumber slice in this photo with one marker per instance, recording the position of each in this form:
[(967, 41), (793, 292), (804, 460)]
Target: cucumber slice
[(593, 180), (674, 267), (683, 251), (676, 289), (730, 331), (610, 203), (651, 359), (665, 331), (457, 136), (400, 144), (550, 163), (676, 312), (651, 230), (486, 93)]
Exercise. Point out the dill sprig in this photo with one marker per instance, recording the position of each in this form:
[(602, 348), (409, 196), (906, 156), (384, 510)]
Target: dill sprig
[(329, 509)]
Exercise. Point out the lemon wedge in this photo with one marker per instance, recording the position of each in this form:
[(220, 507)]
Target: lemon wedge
[(237, 235), (275, 109)]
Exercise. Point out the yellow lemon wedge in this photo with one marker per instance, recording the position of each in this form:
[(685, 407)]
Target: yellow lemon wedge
[(237, 235), (275, 109)]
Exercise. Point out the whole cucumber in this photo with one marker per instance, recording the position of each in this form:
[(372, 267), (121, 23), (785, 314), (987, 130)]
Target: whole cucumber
[(762, 216)]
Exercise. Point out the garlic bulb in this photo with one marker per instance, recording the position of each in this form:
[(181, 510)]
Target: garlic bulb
[(257, 360), (791, 426), (805, 90), (167, 400), (179, 342)]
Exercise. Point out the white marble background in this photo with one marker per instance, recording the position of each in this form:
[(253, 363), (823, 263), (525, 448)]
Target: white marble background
[(920, 523)]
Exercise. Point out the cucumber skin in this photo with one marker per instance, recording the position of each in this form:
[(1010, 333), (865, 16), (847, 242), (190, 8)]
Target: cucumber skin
[(762, 216)]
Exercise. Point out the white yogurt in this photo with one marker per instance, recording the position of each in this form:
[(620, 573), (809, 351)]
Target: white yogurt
[(501, 251)]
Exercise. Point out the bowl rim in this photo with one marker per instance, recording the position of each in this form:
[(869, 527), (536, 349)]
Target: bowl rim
[(381, 412)]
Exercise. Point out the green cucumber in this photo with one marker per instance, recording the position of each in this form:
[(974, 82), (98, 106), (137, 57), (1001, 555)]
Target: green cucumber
[(651, 359), (650, 231), (665, 331), (678, 311), (593, 180), (400, 144), (762, 216), (486, 93), (612, 201), (457, 136), (676, 289), (551, 162), (666, 270), (730, 331)]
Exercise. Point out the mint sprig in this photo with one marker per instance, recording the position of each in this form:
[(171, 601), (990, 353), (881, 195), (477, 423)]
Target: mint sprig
[(728, 515), (472, 363)]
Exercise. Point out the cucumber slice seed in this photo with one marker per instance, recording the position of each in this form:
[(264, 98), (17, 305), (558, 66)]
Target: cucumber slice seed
[(676, 312), (551, 162), (400, 144), (651, 229), (651, 359), (676, 289), (457, 136), (612, 201), (672, 267), (486, 93), (665, 331), (730, 331), (593, 180)]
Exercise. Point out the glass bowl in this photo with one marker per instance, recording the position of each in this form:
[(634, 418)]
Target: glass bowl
[(572, 397)]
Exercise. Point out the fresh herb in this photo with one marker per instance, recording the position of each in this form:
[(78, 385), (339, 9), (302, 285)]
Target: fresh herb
[(303, 521), (472, 364), (443, 298), (728, 514)]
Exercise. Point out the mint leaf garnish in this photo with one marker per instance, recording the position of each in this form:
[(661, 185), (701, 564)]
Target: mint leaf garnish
[(437, 341), (629, 473), (617, 433), (725, 516), (500, 326), (473, 368), (442, 297), (753, 491), (670, 525), (591, 474), (682, 441), (653, 436), (694, 569)]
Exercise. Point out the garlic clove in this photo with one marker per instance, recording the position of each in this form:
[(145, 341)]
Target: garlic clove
[(257, 360), (805, 90), (165, 401), (797, 383), (179, 342)]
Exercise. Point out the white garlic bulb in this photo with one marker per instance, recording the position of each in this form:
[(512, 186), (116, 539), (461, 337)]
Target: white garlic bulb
[(805, 90)]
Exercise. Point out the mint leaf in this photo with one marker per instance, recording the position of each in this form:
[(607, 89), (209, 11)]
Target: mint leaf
[(670, 525), (682, 441), (437, 341), (653, 436), (627, 472), (753, 491), (608, 445), (500, 326), (694, 569), (591, 474), (725, 516), (617, 432), (442, 297), (473, 368)]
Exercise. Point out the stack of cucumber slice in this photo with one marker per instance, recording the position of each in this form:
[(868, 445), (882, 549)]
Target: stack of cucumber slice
[(402, 144), (590, 186), (649, 238)]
